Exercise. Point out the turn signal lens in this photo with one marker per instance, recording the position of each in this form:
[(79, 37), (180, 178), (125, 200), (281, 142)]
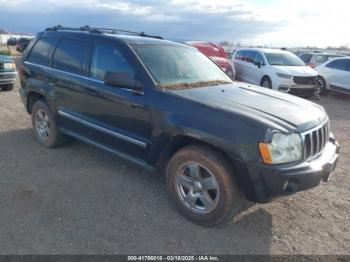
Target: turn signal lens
[(265, 153)]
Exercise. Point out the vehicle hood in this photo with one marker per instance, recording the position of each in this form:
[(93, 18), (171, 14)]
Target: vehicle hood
[(296, 70), (220, 61), (276, 109)]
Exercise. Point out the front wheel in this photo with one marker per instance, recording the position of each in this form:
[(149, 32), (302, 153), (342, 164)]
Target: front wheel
[(323, 86), (266, 82), (200, 182)]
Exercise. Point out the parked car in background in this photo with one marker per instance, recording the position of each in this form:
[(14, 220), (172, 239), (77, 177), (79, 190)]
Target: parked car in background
[(7, 73), (230, 55), (22, 44), (335, 75), (316, 58), (215, 53), (275, 69), (165, 106), (12, 41)]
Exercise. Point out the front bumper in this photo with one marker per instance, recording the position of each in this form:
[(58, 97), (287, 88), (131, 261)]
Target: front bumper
[(271, 181), (289, 86), (7, 78)]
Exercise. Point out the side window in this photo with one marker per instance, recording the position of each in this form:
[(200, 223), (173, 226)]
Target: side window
[(107, 58), (259, 58), (338, 64), (249, 56), (239, 55), (69, 56), (321, 58), (40, 52)]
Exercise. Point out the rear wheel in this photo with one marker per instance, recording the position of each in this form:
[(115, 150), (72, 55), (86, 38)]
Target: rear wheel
[(200, 183), (44, 126), (266, 82)]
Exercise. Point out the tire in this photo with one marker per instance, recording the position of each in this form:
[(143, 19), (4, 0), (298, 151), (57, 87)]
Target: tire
[(44, 126), (266, 82), (324, 90), (185, 192), (8, 87)]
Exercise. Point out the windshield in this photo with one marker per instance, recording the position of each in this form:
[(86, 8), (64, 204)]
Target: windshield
[(283, 59), (179, 67)]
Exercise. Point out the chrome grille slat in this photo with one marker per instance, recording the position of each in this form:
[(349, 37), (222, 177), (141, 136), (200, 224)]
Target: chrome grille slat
[(323, 133), (315, 140)]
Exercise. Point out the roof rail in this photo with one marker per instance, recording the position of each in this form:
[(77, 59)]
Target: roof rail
[(98, 30)]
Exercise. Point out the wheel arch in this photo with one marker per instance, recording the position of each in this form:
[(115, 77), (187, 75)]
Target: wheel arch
[(34, 96), (178, 142), (263, 77)]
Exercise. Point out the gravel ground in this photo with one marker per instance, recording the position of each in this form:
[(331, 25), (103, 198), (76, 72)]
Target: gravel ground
[(79, 200)]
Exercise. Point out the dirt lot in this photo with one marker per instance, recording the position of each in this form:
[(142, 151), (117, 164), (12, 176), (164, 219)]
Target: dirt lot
[(79, 200)]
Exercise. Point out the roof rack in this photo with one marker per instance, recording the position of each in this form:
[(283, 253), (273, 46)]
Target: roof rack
[(98, 30)]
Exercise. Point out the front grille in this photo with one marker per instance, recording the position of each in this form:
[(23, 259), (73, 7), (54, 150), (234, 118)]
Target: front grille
[(315, 140), (300, 80)]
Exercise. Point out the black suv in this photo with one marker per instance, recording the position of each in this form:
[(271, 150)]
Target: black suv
[(165, 106)]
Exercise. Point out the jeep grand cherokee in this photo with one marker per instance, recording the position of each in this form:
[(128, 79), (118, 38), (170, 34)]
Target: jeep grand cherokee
[(165, 106)]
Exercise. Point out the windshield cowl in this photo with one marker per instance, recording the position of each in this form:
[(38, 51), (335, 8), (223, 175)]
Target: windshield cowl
[(179, 86)]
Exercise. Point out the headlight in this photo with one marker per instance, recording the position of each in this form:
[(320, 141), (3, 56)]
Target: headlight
[(284, 76), (9, 66), (284, 148)]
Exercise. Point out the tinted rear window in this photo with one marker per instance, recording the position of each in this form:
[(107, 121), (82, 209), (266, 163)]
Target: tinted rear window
[(69, 55), (40, 52), (249, 56), (239, 54)]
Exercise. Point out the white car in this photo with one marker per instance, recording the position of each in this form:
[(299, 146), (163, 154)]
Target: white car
[(276, 69), (335, 75)]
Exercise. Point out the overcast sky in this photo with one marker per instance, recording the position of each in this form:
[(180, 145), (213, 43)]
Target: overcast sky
[(271, 22)]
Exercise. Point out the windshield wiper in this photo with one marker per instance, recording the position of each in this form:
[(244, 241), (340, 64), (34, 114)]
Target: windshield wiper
[(185, 85)]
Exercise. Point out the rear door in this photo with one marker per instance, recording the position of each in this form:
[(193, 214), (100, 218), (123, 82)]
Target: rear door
[(338, 75), (248, 68), (255, 72), (238, 64), (114, 118)]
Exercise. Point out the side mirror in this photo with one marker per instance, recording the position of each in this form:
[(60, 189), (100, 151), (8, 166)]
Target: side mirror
[(257, 63), (122, 80)]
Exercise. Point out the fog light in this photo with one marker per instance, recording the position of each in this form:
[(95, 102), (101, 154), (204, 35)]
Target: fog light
[(284, 88), (290, 187)]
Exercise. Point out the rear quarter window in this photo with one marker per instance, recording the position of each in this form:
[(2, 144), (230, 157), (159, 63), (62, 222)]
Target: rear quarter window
[(239, 55), (69, 55), (40, 52)]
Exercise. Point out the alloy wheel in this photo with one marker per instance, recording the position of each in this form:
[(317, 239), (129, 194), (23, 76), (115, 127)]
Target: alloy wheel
[(197, 188), (42, 124)]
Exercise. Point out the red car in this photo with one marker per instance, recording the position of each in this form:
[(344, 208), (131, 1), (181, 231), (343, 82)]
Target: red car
[(215, 53)]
